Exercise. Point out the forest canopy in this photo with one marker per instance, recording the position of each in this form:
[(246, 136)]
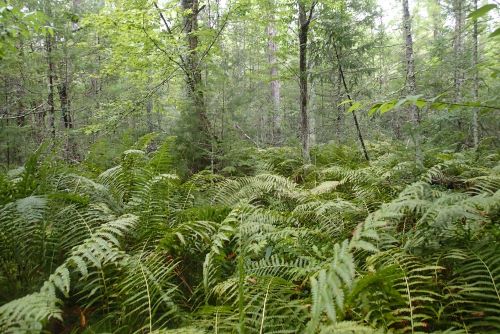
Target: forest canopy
[(249, 166)]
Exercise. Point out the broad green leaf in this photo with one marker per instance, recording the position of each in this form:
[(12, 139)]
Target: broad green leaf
[(374, 108), (438, 105), (495, 33), (388, 106), (481, 11), (355, 106), (420, 103)]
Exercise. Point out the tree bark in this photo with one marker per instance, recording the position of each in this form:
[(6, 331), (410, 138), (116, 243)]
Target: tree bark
[(411, 86), (339, 125), (149, 115), (63, 91), (304, 22), (458, 76), (194, 78), (275, 83), (64, 99), (312, 107), (475, 60), (50, 79), (194, 81)]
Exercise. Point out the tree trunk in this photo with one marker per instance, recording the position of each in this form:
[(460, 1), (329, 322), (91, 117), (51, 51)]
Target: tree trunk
[(21, 119), (356, 123), (50, 79), (275, 84), (339, 125), (194, 78), (149, 115), (475, 60), (195, 85), (312, 111), (411, 86), (304, 120), (65, 103), (458, 75)]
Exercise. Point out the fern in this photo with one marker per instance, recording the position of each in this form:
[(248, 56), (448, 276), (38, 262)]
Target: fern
[(327, 288), (32, 312), (336, 247), (477, 280), (147, 292), (415, 285), (329, 285)]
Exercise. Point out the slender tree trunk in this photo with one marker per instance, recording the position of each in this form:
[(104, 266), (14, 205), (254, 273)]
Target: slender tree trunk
[(5, 113), (65, 105), (21, 119), (50, 79), (63, 90), (63, 80), (95, 86), (149, 115), (411, 86), (475, 60), (304, 119), (356, 123), (312, 112), (458, 75), (275, 83), (340, 109)]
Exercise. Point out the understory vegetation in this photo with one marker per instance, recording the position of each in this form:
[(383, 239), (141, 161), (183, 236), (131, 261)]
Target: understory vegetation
[(336, 246), (249, 166)]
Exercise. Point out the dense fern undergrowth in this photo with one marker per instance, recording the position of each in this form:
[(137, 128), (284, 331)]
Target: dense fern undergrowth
[(267, 245)]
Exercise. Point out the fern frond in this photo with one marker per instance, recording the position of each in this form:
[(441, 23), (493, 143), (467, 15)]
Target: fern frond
[(96, 251), (477, 284), (415, 284), (250, 189), (328, 286)]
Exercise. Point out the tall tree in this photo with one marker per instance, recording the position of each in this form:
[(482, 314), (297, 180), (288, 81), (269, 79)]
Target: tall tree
[(191, 65), (411, 85), (49, 45), (475, 61), (305, 17), (194, 79), (458, 73), (272, 49)]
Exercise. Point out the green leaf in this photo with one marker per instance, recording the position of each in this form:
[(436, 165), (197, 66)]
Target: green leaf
[(481, 11), (387, 107), (495, 33), (344, 102), (420, 103), (374, 108), (438, 105), (355, 106)]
